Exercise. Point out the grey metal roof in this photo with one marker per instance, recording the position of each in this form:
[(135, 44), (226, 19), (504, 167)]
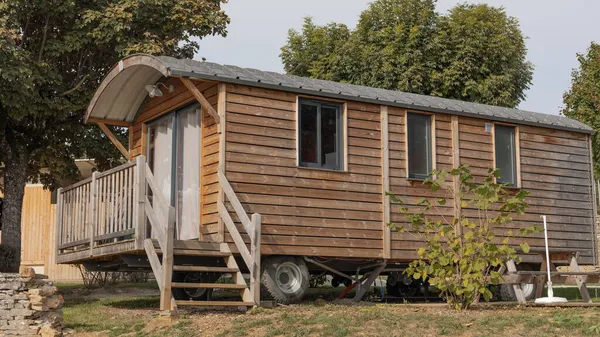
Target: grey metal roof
[(272, 80)]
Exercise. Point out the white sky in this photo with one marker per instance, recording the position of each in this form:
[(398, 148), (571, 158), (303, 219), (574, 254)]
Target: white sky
[(556, 31)]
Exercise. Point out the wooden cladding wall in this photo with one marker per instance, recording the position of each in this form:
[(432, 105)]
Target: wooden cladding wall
[(304, 211), (155, 107), (555, 169), (38, 239), (404, 245), (340, 214)]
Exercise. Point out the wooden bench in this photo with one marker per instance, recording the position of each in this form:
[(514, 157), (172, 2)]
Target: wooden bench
[(558, 256)]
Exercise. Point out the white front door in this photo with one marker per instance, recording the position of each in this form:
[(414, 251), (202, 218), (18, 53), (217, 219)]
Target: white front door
[(174, 158)]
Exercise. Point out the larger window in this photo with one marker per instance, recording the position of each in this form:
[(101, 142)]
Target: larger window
[(320, 134), (505, 152), (419, 139)]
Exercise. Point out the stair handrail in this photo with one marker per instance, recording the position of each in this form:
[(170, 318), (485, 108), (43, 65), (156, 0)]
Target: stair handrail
[(251, 225), (163, 228)]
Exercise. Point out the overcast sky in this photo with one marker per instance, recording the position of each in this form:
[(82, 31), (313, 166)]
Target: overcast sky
[(556, 31)]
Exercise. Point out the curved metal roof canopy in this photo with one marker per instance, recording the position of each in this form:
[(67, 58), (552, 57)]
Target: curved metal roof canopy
[(122, 91)]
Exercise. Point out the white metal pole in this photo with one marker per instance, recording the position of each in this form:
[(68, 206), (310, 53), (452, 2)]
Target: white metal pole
[(550, 291)]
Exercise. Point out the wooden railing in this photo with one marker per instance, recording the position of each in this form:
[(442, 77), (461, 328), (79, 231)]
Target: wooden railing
[(161, 216), (96, 212), (251, 225)]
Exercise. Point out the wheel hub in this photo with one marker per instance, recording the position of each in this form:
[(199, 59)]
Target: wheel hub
[(288, 277)]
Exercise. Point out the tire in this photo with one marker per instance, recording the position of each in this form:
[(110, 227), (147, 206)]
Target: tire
[(400, 285), (200, 294), (285, 279), (507, 292)]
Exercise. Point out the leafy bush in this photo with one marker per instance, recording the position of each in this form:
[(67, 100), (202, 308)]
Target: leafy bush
[(461, 254)]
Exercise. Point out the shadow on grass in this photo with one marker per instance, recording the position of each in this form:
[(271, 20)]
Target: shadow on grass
[(152, 303)]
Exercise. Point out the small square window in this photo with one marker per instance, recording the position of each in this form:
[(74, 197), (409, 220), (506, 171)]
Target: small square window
[(506, 162), (320, 134), (419, 145)]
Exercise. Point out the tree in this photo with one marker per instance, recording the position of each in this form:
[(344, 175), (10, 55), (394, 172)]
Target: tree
[(475, 53), (309, 54), (53, 55), (461, 256), (582, 101), (482, 57)]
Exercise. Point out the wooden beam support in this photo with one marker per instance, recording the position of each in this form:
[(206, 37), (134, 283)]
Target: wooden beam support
[(109, 122), (385, 186), (594, 198), (114, 140), (364, 287), (221, 106), (456, 164), (200, 98)]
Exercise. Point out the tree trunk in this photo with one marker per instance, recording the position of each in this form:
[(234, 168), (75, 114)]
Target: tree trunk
[(15, 179)]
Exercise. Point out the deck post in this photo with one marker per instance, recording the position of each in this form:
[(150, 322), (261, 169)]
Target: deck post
[(167, 263), (256, 257), (139, 204), (94, 208), (59, 220)]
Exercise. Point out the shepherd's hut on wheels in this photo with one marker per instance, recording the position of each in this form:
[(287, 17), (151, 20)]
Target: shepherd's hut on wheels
[(240, 171)]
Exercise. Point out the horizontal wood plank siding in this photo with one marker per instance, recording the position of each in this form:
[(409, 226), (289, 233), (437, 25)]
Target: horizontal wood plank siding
[(339, 214), (304, 211), (411, 192), (551, 171)]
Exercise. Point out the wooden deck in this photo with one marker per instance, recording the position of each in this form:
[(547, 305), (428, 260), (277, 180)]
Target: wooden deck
[(123, 211)]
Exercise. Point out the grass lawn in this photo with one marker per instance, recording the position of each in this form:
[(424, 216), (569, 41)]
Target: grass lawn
[(118, 315)]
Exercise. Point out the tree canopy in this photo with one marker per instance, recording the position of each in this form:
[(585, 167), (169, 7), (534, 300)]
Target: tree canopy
[(53, 55), (582, 100), (475, 52)]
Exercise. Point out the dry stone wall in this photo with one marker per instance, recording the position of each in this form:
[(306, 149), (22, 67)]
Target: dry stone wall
[(30, 305)]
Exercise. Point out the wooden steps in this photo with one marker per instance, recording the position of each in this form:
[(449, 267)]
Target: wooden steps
[(192, 244), (206, 263), (203, 269), (194, 252), (215, 303), (208, 285)]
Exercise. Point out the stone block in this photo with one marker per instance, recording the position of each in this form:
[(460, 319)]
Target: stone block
[(26, 272), (11, 285), (7, 304), (21, 312), (54, 302), (49, 331), (36, 299)]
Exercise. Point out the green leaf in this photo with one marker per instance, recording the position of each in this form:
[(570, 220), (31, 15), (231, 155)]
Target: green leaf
[(525, 247)]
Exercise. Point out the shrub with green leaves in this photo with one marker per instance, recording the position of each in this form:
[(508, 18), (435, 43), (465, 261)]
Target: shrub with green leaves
[(462, 255)]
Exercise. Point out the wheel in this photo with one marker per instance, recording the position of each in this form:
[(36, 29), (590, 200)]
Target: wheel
[(507, 292), (194, 294), (401, 285), (285, 278)]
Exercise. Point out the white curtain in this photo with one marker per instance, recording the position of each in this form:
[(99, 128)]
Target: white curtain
[(188, 173), (161, 154)]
